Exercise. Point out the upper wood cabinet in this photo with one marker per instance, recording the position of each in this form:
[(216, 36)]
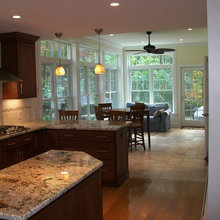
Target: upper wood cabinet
[(18, 57)]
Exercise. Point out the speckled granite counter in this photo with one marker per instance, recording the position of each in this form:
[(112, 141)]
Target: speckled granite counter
[(29, 186), (75, 125)]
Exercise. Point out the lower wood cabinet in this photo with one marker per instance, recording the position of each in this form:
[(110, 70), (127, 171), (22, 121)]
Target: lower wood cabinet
[(17, 149), (108, 146), (82, 202)]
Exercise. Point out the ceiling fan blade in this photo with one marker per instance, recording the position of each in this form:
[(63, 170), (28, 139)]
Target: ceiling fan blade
[(158, 51), (166, 49)]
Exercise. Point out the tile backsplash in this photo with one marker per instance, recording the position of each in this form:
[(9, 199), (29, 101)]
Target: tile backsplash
[(16, 111)]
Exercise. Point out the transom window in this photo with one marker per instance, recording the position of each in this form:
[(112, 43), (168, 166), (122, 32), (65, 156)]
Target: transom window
[(151, 78)]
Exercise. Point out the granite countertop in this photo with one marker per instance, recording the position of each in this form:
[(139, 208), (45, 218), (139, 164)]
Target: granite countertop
[(74, 124), (27, 187)]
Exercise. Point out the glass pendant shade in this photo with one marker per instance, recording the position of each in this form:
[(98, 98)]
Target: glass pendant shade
[(60, 71), (99, 69)]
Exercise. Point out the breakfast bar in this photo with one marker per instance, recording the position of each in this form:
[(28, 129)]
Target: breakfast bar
[(34, 188)]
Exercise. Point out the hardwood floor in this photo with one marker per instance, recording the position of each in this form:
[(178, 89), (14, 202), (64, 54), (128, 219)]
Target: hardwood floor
[(165, 183)]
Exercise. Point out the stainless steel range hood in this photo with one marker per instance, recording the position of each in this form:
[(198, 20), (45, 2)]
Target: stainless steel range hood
[(5, 76)]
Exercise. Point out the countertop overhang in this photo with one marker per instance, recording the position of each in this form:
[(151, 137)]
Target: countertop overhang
[(29, 186)]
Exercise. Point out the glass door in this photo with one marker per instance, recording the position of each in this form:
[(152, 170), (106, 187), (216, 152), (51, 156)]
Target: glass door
[(192, 96)]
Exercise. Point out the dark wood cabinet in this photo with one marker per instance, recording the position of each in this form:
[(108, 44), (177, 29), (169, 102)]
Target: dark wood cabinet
[(50, 139), (18, 57), (17, 149), (82, 202), (107, 146)]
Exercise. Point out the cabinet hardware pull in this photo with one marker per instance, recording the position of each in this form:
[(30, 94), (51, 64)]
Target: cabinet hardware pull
[(104, 171), (11, 144), (100, 137), (101, 151), (21, 88), (27, 139), (68, 135)]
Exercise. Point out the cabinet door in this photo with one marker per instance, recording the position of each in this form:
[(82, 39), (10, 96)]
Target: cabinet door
[(10, 157), (51, 139), (39, 147), (26, 70)]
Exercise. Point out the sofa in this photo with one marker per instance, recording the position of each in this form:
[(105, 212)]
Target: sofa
[(159, 116)]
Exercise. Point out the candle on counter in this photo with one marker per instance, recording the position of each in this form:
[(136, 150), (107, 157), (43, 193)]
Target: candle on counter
[(64, 175)]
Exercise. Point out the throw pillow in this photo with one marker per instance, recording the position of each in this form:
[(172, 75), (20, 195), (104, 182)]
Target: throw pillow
[(158, 113)]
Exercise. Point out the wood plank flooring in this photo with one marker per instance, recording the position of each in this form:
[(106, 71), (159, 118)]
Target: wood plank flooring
[(165, 183)]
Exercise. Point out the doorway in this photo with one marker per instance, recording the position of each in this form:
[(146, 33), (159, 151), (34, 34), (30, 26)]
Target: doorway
[(192, 96)]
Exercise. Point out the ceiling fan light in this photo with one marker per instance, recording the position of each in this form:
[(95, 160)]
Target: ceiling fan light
[(99, 69), (60, 71)]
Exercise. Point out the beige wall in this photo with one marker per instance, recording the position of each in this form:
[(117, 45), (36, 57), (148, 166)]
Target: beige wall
[(186, 55)]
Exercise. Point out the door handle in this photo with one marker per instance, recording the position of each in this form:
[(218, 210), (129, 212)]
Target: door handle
[(205, 114)]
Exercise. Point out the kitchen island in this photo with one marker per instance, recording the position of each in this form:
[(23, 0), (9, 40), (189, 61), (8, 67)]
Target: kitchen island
[(53, 185), (105, 140)]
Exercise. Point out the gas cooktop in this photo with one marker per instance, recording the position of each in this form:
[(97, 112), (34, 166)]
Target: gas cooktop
[(11, 129)]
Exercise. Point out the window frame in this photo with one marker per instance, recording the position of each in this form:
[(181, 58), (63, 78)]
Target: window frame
[(151, 68), (53, 61)]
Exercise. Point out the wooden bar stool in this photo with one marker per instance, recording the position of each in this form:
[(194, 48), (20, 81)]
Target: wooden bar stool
[(68, 115), (105, 108), (136, 129), (98, 113), (115, 115)]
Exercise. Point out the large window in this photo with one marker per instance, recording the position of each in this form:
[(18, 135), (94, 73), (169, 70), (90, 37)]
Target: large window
[(151, 78), (111, 76), (55, 89), (88, 82)]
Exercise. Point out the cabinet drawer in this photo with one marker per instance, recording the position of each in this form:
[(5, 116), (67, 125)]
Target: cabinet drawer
[(108, 170), (95, 149), (18, 141), (87, 135)]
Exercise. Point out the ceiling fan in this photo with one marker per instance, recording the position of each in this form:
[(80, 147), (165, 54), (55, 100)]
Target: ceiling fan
[(151, 48)]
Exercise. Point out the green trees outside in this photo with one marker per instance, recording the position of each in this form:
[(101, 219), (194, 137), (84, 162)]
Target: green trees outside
[(193, 86)]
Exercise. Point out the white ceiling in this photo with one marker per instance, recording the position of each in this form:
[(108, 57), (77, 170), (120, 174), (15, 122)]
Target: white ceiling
[(77, 18), (196, 36)]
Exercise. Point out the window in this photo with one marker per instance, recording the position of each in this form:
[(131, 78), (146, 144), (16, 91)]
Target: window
[(151, 78), (55, 89), (88, 82), (111, 76)]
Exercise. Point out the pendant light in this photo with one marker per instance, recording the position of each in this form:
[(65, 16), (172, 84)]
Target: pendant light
[(60, 71), (99, 69)]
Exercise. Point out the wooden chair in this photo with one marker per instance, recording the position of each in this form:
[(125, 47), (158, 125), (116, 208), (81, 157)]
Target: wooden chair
[(105, 108), (136, 129), (115, 115), (68, 115), (98, 113)]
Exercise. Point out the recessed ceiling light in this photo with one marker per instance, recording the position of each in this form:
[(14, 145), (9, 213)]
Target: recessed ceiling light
[(16, 16), (114, 4), (189, 29), (111, 35), (181, 39), (142, 42)]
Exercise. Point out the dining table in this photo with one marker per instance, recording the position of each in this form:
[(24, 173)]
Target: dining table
[(147, 113)]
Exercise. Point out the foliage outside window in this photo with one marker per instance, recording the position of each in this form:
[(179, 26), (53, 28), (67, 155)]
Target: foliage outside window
[(55, 49), (151, 78), (193, 85), (88, 55), (111, 85), (55, 89)]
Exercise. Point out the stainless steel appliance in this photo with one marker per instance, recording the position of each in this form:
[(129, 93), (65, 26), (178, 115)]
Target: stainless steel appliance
[(10, 129)]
